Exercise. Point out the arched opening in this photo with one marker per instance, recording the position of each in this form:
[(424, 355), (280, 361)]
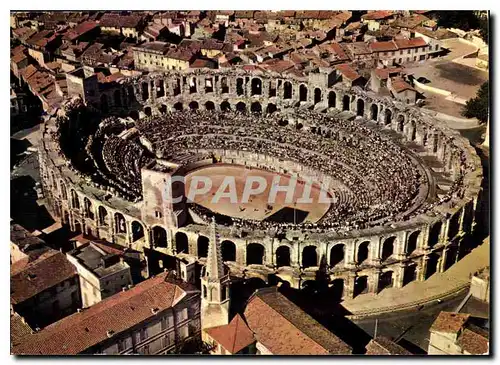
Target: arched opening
[(302, 92), (409, 275), (401, 122), (468, 218), (374, 112), (385, 281), (256, 108), (137, 231), (103, 216), (451, 257), (287, 90), (298, 126), (432, 263), (255, 254), (346, 101), (317, 96), (309, 257), (117, 98), (387, 248), (78, 227), (120, 223), (130, 93), (360, 107), (134, 114), (209, 85), (239, 87), (337, 289), (147, 111), (75, 202), (87, 205), (181, 243), (192, 86), (178, 106), (388, 116), (193, 105), (159, 237), (413, 130), (160, 88), (282, 122), (337, 254), (241, 107), (66, 217), (202, 246), (283, 256), (225, 106), (64, 192), (362, 254), (228, 249), (224, 86), (360, 285), (332, 99), (145, 91), (454, 225), (256, 86), (412, 242), (271, 108), (209, 105), (434, 234), (104, 103), (163, 109)]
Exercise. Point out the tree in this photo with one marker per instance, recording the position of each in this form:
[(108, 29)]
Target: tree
[(478, 107), (484, 29), (461, 19)]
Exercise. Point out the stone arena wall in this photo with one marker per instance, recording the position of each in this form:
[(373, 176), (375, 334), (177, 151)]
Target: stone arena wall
[(396, 253)]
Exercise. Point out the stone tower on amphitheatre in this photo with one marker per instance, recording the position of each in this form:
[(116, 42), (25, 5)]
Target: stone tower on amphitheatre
[(215, 282)]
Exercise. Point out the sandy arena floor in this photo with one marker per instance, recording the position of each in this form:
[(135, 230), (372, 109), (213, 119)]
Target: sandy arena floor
[(257, 207)]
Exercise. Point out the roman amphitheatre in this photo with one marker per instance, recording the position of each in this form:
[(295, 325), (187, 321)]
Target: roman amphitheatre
[(404, 188)]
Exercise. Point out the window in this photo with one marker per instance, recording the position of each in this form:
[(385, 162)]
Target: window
[(145, 350), (401, 52), (436, 48), (163, 323), (144, 334), (121, 345)]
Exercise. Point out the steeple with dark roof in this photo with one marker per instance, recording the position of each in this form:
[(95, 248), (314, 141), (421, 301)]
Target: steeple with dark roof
[(214, 266)]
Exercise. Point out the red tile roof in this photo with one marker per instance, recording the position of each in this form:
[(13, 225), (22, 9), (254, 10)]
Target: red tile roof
[(120, 21), (285, 329), (473, 342), (449, 322), (79, 30), (383, 46), (234, 336), (399, 84), (377, 15), (80, 331), (384, 346), (47, 271), (384, 73), (347, 71), (410, 43)]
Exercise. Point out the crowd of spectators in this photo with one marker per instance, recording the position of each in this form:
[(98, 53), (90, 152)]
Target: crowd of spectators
[(371, 176)]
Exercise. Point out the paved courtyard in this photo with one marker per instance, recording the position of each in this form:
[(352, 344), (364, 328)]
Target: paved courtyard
[(451, 73)]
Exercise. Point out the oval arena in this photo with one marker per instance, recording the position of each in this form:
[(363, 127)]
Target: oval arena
[(404, 187)]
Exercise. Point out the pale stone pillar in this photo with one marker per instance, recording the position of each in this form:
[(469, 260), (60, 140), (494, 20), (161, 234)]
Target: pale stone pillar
[(373, 280)]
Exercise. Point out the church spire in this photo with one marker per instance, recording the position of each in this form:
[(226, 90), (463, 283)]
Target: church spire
[(214, 265)]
